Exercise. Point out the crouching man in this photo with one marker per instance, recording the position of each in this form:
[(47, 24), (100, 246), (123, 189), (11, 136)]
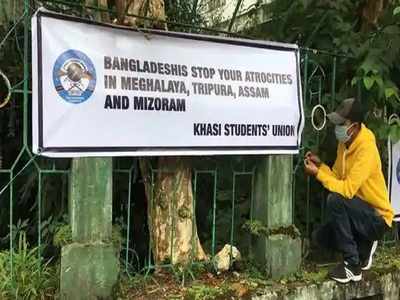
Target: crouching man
[(358, 207)]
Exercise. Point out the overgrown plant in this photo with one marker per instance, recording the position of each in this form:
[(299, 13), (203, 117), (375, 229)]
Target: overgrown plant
[(30, 278)]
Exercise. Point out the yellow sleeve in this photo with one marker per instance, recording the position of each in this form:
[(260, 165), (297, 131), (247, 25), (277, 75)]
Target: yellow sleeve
[(360, 171), (325, 168)]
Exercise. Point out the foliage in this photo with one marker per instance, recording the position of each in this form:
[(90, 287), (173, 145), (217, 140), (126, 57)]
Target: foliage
[(255, 227), (388, 257), (62, 236), (307, 276), (31, 278), (16, 230), (205, 292), (184, 12), (51, 226)]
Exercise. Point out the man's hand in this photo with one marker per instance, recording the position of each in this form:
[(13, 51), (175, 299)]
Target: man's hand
[(313, 158), (310, 167)]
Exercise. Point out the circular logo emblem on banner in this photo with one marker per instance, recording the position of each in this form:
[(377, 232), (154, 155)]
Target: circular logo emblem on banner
[(74, 76), (398, 171)]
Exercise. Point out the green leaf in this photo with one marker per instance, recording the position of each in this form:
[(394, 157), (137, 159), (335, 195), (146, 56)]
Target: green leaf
[(305, 3), (392, 29), (368, 82), (354, 81), (389, 92), (378, 79), (396, 11), (370, 66)]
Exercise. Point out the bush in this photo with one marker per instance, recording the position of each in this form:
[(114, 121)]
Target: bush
[(31, 279), (62, 236)]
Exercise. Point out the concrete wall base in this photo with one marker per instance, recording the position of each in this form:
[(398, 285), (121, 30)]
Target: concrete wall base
[(88, 271), (385, 287), (282, 255)]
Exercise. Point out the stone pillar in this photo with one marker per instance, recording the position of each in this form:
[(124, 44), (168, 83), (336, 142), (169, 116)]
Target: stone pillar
[(280, 252), (89, 266)]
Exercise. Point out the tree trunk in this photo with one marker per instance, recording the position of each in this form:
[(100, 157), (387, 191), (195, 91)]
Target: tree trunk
[(372, 10), (171, 214), (128, 9), (172, 225)]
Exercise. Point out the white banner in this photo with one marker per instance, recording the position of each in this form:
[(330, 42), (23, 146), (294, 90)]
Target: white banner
[(394, 177), (101, 90)]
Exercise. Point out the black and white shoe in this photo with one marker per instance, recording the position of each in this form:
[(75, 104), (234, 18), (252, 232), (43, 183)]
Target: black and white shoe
[(345, 273), (367, 263)]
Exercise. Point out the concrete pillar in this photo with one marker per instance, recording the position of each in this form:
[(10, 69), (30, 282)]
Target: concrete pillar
[(89, 266), (279, 253)]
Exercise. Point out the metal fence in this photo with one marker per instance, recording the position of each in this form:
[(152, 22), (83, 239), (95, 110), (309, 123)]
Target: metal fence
[(34, 188), (223, 201)]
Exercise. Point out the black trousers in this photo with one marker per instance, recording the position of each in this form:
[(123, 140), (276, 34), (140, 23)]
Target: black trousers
[(351, 228)]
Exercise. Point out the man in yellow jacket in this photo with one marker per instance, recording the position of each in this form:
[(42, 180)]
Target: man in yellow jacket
[(359, 210)]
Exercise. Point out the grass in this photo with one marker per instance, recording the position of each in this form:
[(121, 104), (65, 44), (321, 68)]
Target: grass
[(32, 279)]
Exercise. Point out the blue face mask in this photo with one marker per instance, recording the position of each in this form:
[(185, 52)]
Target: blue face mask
[(341, 133)]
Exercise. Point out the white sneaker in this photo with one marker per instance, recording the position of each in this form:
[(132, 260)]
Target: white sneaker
[(345, 273)]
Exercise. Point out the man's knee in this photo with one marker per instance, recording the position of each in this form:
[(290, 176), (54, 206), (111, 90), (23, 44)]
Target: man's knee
[(334, 201)]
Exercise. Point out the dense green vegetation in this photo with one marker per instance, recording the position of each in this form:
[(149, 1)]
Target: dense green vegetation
[(364, 36)]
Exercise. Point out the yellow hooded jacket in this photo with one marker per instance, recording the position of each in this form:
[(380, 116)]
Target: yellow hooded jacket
[(358, 172)]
